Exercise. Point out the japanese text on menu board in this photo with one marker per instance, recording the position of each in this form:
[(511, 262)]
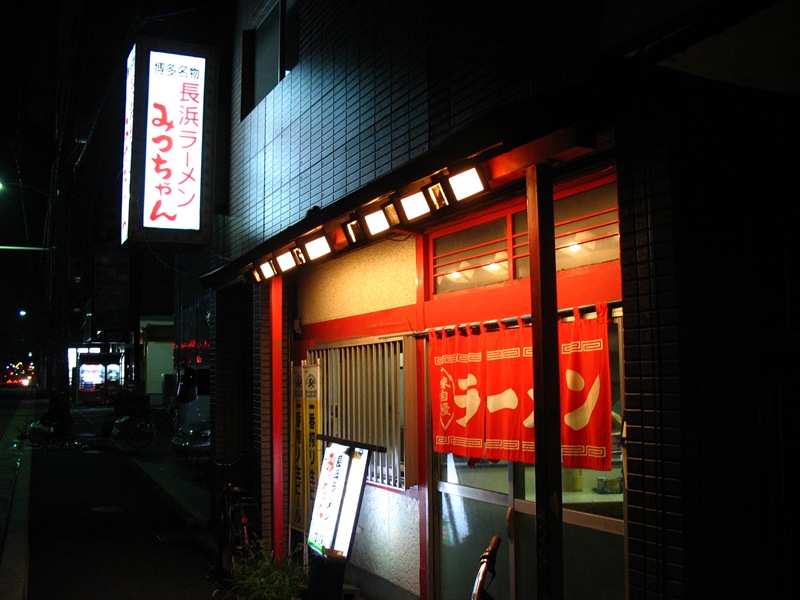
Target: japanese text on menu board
[(338, 498), (174, 142), (328, 501)]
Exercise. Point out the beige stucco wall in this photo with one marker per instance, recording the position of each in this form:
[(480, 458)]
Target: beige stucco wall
[(375, 278), (387, 537)]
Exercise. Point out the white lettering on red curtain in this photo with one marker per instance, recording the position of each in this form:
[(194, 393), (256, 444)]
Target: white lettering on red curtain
[(585, 382), (482, 396), (457, 367), (509, 403)]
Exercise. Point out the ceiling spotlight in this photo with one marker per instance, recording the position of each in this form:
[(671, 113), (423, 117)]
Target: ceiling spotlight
[(381, 219), (316, 247), (267, 269), (467, 183), (414, 206), (286, 261)]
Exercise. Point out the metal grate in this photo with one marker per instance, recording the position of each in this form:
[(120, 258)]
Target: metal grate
[(361, 390)]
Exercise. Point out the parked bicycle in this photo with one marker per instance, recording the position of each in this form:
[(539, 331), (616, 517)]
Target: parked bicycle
[(138, 424), (236, 540), (54, 425), (486, 568), (239, 541)]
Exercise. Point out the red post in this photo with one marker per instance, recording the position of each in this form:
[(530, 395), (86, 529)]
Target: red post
[(276, 364)]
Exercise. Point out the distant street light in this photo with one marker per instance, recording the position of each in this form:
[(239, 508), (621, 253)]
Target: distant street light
[(25, 187)]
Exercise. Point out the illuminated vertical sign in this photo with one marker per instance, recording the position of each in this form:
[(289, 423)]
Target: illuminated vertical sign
[(311, 430), (127, 151), (338, 499), (332, 481), (171, 195), (297, 457)]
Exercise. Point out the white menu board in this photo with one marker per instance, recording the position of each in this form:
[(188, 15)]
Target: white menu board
[(339, 490)]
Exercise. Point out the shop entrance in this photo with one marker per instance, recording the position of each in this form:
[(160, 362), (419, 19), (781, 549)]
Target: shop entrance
[(476, 499)]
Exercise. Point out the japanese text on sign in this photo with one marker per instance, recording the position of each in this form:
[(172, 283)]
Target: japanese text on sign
[(174, 142), (483, 404)]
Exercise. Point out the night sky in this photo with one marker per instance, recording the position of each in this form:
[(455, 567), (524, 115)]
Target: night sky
[(62, 95)]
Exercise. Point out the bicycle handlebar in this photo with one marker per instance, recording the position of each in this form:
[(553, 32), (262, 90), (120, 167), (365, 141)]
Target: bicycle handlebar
[(487, 562), (490, 553)]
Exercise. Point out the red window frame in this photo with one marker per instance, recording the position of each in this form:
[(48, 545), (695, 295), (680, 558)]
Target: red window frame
[(517, 244)]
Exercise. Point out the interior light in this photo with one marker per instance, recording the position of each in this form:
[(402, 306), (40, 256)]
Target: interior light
[(465, 271), (286, 261), (499, 261), (415, 206), (256, 274), (574, 247), (317, 247), (466, 184)]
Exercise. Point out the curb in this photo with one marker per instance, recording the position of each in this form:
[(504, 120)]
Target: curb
[(15, 553)]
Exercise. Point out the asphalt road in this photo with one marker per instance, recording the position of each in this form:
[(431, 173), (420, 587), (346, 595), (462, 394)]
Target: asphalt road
[(100, 529)]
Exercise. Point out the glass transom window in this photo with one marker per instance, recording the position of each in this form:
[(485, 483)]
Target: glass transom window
[(494, 249)]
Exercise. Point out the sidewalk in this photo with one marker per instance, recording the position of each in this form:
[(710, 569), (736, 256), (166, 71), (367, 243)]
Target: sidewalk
[(185, 483), (182, 484)]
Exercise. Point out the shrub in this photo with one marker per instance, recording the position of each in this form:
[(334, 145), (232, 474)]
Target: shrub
[(262, 577)]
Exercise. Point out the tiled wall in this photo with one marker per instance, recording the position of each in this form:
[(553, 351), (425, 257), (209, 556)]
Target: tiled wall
[(650, 341), (379, 84), (702, 267), (342, 117)]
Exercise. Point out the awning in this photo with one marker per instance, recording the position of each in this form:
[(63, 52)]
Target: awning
[(523, 133)]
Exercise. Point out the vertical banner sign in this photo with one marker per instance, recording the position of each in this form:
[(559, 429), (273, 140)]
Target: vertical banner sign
[(585, 376), (127, 150), (174, 142), (297, 455), (311, 429)]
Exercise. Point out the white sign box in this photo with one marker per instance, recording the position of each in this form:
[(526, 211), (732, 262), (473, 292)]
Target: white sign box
[(338, 498)]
